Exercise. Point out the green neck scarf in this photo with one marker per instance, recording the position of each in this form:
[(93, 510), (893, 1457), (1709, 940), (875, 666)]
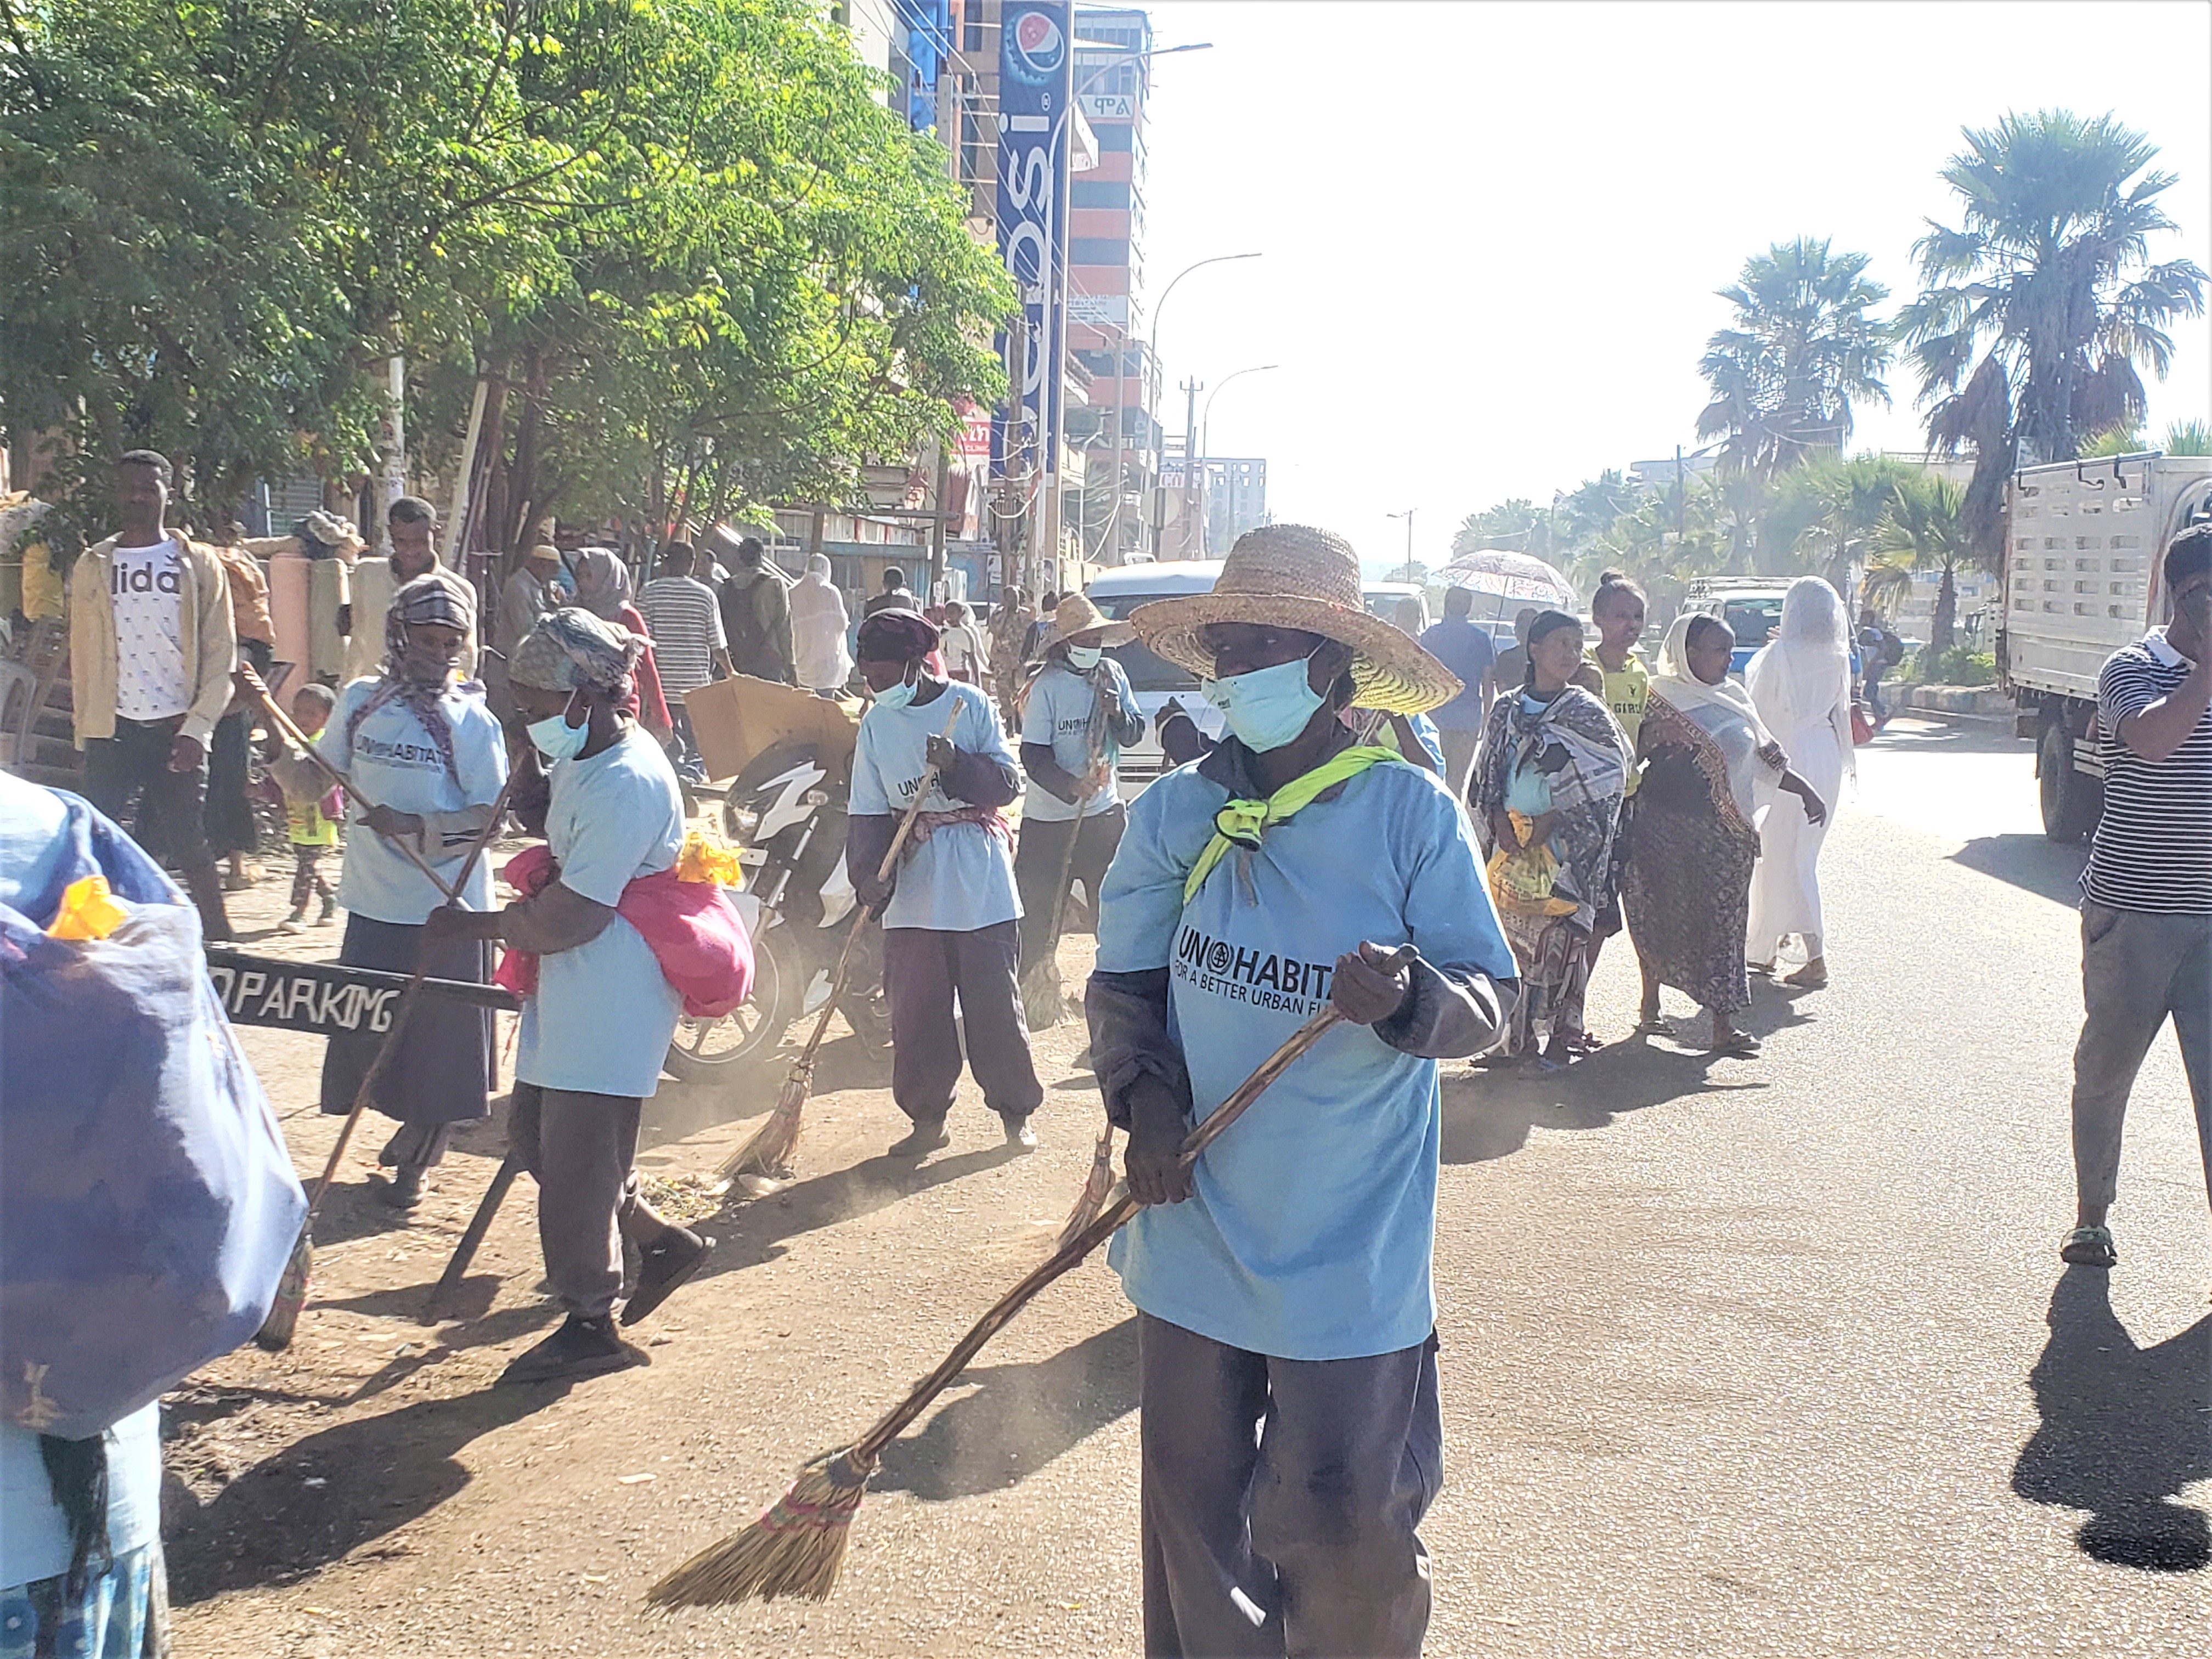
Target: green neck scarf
[(1241, 823)]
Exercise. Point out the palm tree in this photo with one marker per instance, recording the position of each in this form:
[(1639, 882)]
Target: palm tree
[(2037, 310), (1923, 528), (1826, 515), (1803, 351), (2189, 438)]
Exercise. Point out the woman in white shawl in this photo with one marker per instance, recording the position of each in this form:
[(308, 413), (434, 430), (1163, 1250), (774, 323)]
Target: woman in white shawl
[(1801, 685), (1691, 841), (817, 630)]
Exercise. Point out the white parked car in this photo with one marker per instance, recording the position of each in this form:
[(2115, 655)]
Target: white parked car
[(1154, 679)]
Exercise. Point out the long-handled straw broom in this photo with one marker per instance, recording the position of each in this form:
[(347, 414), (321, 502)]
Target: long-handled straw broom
[(769, 1151), (798, 1546), (275, 1332)]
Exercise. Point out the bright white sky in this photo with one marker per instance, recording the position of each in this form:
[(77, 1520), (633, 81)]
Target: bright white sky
[(1492, 232)]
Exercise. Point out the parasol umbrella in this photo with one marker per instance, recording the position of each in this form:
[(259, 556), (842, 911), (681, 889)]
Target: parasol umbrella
[(1508, 576)]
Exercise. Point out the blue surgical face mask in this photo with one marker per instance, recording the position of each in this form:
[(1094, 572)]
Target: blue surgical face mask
[(556, 738), (1084, 658), (899, 696), (1268, 707)]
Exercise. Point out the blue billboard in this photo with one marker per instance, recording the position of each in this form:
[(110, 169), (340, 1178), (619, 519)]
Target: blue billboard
[(1036, 74)]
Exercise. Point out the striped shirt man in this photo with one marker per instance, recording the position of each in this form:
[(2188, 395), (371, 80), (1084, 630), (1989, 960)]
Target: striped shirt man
[(2153, 849), (687, 631)]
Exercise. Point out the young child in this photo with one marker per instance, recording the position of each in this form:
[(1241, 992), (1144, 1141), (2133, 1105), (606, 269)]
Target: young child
[(311, 820)]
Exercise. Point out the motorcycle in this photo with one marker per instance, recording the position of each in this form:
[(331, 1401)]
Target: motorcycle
[(785, 813)]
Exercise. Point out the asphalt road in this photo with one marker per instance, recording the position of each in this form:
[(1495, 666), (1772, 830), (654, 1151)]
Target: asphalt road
[(1740, 1358)]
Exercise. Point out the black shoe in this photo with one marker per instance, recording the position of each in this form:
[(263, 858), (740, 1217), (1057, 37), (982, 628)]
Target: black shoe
[(668, 1263), (924, 1137), (402, 1188), (580, 1348), (1019, 1135)]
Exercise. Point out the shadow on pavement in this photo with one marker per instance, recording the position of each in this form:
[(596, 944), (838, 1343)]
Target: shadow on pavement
[(2125, 1429), (1017, 1421), (1488, 1113), (379, 1472), (2034, 864), (750, 1230)]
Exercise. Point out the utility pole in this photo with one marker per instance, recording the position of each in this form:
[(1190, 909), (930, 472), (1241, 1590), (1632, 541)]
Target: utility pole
[(1407, 516), (395, 448), (937, 523), (1190, 496)]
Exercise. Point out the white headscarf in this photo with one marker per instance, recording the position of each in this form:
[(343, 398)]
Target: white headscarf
[(1802, 679), (818, 629), (1676, 683)]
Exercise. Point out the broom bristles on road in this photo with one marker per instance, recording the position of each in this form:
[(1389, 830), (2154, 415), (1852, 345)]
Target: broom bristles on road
[(769, 1151), (798, 1547)]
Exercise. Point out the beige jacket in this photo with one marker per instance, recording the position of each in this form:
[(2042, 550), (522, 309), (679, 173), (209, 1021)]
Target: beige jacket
[(208, 634)]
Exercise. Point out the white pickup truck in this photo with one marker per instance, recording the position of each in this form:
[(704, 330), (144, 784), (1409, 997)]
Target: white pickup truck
[(2083, 540)]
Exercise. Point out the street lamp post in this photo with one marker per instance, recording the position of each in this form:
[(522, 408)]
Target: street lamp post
[(1407, 516), (1160, 309), (1205, 447)]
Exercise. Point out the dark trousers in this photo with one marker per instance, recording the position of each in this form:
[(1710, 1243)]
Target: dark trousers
[(2137, 968), (1303, 1544), (134, 765), (1036, 868), (581, 1148), (683, 746), (923, 968)]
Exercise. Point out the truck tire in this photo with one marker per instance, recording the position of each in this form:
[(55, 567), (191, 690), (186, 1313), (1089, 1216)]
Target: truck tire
[(2072, 800)]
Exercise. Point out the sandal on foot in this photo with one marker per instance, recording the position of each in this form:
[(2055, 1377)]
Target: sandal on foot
[(2089, 1247), (1737, 1045), (1808, 978)]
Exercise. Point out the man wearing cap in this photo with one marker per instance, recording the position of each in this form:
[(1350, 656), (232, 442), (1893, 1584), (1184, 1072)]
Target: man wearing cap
[(1285, 1278), (949, 908), (1077, 715)]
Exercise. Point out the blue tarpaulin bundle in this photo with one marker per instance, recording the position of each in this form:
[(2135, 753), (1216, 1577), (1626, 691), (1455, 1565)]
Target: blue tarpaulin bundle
[(147, 1204)]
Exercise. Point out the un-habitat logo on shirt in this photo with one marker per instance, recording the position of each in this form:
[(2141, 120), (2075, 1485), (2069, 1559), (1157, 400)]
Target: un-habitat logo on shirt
[(1259, 977)]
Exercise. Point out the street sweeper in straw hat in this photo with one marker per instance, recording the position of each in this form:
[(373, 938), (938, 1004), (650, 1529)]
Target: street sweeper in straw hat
[(1284, 1277)]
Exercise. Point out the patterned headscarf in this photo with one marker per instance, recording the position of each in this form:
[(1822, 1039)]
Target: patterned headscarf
[(602, 583), (436, 596), (571, 648)]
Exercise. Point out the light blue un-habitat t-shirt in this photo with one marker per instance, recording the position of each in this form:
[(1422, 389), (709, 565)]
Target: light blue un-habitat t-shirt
[(1058, 712), (962, 878), (604, 1012), (393, 761), (1312, 1222)]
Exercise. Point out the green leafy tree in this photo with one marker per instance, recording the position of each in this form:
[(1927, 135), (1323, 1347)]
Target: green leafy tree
[(1804, 350), (2040, 307), (1518, 526), (689, 257), (2189, 438), (1826, 515), (1923, 528)]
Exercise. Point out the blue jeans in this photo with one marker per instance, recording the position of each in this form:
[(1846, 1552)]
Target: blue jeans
[(683, 747)]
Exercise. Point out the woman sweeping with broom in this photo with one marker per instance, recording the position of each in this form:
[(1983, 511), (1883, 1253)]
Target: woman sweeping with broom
[(1284, 1277), (421, 744), (950, 909), (596, 1030)]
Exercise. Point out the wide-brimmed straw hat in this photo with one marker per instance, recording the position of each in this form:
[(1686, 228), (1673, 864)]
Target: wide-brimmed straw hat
[(1291, 575), (1076, 617)]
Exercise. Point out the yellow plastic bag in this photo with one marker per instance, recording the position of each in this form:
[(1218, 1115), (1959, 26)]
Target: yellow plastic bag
[(707, 860), (89, 910), (1521, 881)]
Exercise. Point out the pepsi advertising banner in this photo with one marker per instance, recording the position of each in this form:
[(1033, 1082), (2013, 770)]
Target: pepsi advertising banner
[(1035, 75)]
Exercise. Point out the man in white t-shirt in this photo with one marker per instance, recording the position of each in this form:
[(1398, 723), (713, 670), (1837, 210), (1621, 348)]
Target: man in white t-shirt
[(152, 646)]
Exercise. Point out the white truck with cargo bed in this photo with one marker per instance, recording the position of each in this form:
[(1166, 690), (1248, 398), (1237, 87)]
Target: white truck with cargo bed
[(2083, 541)]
